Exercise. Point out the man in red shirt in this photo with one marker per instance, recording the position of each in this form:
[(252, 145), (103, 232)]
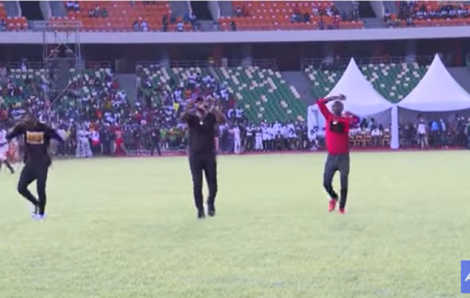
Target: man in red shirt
[(337, 144)]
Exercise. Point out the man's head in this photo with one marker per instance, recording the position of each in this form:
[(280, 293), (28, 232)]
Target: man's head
[(29, 119), (337, 108)]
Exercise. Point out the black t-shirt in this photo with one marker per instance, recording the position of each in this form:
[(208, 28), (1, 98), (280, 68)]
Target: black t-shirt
[(201, 134), (37, 138)]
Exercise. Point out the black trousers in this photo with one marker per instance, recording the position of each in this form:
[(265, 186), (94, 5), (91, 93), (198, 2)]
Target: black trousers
[(155, 145), (35, 171), (334, 163), (204, 164)]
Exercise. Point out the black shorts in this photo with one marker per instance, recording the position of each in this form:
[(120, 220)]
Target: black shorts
[(337, 162)]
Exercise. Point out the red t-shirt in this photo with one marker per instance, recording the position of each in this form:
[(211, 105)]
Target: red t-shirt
[(336, 142)]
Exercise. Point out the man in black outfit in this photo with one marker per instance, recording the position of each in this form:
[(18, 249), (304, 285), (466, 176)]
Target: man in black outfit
[(155, 139), (37, 160), (201, 116)]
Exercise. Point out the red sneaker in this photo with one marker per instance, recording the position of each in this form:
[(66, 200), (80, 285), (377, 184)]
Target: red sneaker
[(332, 205), (342, 211)]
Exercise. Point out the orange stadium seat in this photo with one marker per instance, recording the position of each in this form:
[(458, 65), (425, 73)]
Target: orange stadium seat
[(13, 23), (121, 15), (275, 15)]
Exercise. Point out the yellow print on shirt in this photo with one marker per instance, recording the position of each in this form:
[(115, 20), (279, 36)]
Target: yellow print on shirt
[(35, 137)]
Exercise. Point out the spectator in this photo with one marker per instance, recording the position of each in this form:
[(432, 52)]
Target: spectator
[(294, 18), (306, 18), (186, 18), (180, 27), (387, 15), (144, 26), (132, 3), (136, 26), (104, 12), (165, 23), (233, 26), (76, 6), (3, 25), (238, 11), (70, 6), (172, 19), (91, 13), (315, 9)]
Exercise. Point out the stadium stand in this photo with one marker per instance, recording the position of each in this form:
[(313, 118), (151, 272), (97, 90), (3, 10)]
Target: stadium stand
[(263, 94), (118, 15), (11, 23), (392, 80), (286, 15), (21, 83), (323, 80), (430, 13)]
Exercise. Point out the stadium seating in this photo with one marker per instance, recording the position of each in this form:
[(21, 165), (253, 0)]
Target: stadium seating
[(262, 94), (121, 15), (413, 7), (27, 83), (393, 81), (161, 76), (13, 23), (275, 15), (322, 80)]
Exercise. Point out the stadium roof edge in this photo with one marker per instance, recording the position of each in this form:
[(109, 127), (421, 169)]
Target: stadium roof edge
[(31, 37)]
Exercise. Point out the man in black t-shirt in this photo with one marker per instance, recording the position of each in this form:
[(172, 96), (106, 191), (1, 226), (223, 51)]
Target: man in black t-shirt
[(201, 116), (37, 160), (155, 141)]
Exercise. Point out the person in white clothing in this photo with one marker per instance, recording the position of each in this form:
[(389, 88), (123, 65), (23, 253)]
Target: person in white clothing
[(376, 134), (422, 134), (4, 151), (258, 140), (265, 136), (83, 144), (237, 140)]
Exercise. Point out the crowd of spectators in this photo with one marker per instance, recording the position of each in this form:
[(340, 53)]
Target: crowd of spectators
[(154, 117)]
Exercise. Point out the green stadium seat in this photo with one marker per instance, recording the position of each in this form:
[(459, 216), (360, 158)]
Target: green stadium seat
[(394, 81), (262, 94), (322, 80)]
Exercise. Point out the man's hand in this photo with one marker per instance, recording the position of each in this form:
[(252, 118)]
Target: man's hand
[(335, 97), (190, 104)]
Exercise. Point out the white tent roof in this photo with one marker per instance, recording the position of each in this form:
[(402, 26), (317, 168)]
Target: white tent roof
[(436, 92), (362, 98)]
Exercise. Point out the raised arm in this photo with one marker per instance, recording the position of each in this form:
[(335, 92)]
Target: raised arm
[(188, 111), (323, 101), (219, 116)]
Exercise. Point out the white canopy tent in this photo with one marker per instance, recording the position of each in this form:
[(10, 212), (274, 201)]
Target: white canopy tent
[(436, 92), (362, 100)]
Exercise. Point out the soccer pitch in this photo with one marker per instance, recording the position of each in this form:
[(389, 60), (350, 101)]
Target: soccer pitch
[(124, 228)]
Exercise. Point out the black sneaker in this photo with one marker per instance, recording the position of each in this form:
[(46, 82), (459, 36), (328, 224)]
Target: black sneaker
[(211, 210), (201, 214)]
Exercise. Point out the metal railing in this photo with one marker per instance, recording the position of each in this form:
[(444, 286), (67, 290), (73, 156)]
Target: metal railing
[(56, 24), (262, 63), (306, 62), (41, 64)]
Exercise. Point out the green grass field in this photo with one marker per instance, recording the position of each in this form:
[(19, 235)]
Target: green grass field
[(126, 228)]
